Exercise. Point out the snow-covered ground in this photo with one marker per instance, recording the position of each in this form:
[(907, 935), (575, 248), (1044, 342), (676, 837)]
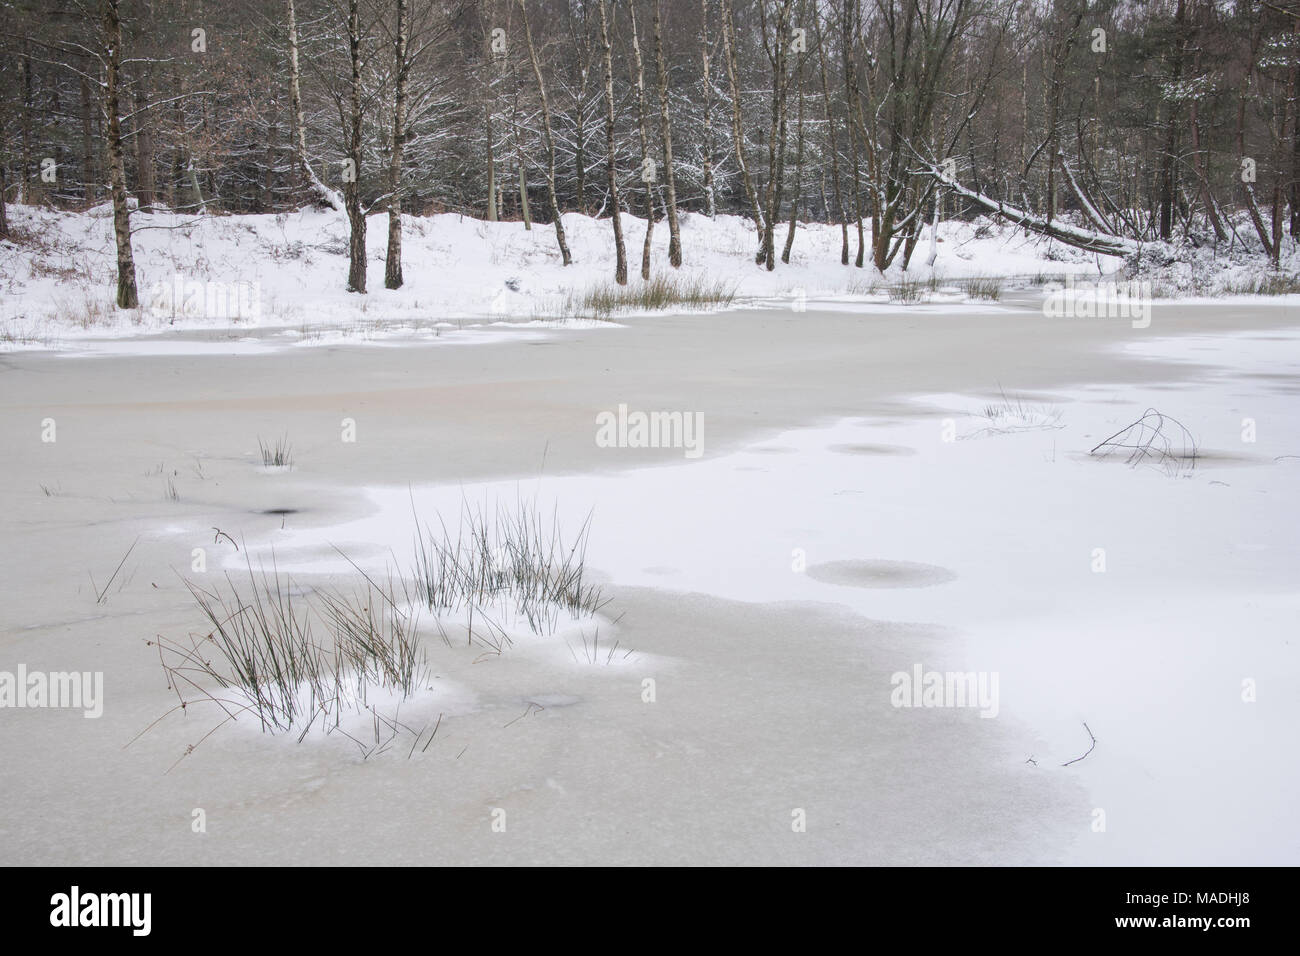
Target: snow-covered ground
[(287, 272), (876, 493)]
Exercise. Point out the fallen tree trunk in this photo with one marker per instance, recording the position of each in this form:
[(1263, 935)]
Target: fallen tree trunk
[(1070, 235), (1089, 209)]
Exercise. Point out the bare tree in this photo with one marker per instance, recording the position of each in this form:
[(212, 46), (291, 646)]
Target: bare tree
[(710, 197), (127, 296), (830, 135), (666, 136), (352, 182), (549, 139), (777, 47), (401, 75), (647, 164), (850, 16), (737, 134), (322, 192), (798, 161), (611, 159)]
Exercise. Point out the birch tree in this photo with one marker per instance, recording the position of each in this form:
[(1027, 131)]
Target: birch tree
[(666, 137), (548, 138), (127, 296), (401, 70), (611, 156)]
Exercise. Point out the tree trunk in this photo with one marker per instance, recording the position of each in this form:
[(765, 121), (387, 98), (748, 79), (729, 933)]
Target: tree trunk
[(798, 168), (266, 195), (737, 136), (1252, 207), (835, 155), (393, 259), (776, 136), (620, 250), (666, 134), (144, 155), (580, 35), (26, 194), (127, 296), (1295, 144), (549, 140), (1070, 235), (352, 189), (580, 147), (323, 193), (89, 174), (853, 105), (1168, 187), (1198, 158), (195, 189), (710, 199), (493, 201), (524, 212), (647, 164)]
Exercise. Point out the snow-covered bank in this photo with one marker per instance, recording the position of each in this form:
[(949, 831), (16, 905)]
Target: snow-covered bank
[(288, 271)]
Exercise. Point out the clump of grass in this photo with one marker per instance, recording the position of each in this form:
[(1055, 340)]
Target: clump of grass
[(513, 560), (1009, 415), (297, 659), (983, 287), (659, 293), (86, 312), (277, 455), (910, 291), (260, 654), (376, 635), (12, 337), (863, 286), (1268, 283)]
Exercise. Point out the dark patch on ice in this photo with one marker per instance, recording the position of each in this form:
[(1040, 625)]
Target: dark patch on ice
[(279, 511), (1208, 456), (880, 574), (873, 449)]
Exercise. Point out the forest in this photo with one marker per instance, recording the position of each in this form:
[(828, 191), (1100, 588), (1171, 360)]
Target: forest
[(1104, 124)]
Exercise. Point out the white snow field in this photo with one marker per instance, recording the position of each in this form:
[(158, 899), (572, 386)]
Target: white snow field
[(282, 275), (870, 494)]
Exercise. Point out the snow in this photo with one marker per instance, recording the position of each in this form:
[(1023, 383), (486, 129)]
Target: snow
[(1197, 593), (216, 276)]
